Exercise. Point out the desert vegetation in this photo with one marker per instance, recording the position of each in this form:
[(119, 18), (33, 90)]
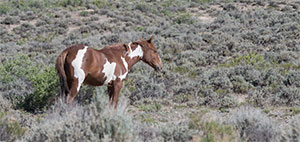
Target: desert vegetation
[(231, 70)]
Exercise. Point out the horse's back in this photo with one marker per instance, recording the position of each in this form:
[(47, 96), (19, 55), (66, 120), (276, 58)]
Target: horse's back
[(90, 63)]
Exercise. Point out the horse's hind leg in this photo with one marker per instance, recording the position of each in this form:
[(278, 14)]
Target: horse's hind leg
[(74, 88)]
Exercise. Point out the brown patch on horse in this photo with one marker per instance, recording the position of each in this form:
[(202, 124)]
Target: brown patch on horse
[(109, 66)]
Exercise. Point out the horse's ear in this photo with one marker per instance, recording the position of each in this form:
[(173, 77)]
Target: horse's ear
[(151, 38)]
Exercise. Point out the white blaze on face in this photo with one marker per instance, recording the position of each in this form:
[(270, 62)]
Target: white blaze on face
[(77, 63), (126, 67), (109, 71), (137, 52)]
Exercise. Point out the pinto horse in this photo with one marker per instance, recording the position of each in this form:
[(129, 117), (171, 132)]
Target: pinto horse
[(79, 64)]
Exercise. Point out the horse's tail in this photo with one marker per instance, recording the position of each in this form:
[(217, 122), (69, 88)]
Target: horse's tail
[(60, 63)]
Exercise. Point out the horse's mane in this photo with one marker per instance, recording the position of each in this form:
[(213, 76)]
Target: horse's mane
[(121, 45), (116, 46)]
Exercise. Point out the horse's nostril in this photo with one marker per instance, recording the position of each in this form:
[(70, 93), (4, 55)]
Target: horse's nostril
[(158, 68)]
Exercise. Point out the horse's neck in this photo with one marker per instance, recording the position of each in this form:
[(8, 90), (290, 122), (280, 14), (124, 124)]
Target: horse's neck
[(132, 61), (120, 51)]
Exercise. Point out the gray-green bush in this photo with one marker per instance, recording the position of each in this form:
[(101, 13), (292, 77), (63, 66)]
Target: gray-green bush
[(96, 121), (254, 125)]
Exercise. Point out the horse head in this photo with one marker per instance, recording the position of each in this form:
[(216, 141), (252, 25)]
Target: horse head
[(150, 54)]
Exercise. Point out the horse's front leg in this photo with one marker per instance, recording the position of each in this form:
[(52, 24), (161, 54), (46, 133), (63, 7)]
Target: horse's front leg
[(114, 91), (110, 90)]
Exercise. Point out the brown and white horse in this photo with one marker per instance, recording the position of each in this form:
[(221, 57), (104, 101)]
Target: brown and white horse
[(109, 66)]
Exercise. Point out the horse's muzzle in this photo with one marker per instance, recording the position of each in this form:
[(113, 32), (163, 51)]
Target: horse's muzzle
[(158, 68)]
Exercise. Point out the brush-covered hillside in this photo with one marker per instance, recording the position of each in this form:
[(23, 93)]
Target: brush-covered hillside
[(231, 71)]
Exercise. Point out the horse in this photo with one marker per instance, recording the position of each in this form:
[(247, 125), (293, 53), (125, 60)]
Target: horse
[(109, 66)]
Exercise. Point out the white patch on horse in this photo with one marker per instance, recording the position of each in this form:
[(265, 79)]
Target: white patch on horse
[(126, 67), (109, 71), (77, 63), (130, 50), (137, 52)]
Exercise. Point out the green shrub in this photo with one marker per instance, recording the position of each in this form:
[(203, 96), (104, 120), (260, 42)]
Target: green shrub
[(19, 66), (41, 78), (100, 3), (180, 69), (214, 131), (74, 3), (84, 13), (295, 110), (143, 7), (184, 18), (151, 107), (202, 1), (45, 84), (5, 7), (240, 85), (26, 5), (248, 59)]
